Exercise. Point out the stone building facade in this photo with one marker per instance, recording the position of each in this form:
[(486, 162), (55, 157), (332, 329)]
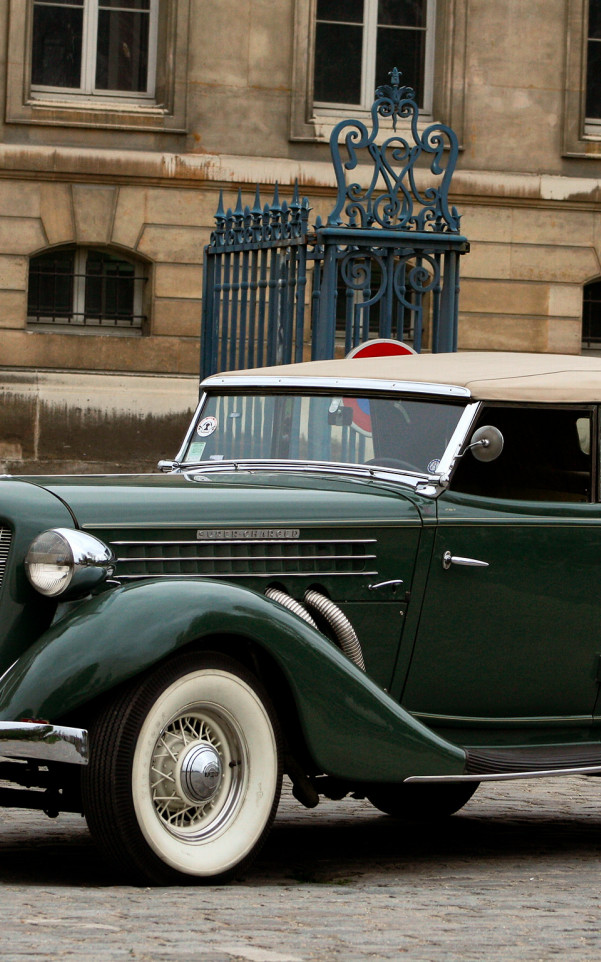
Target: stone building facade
[(122, 123)]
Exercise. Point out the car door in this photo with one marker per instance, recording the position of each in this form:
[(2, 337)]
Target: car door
[(510, 624)]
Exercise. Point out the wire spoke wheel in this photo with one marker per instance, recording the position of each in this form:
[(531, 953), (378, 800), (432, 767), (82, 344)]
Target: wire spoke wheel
[(185, 772), (195, 780)]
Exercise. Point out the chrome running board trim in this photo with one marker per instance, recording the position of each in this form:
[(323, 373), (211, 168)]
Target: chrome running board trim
[(505, 776)]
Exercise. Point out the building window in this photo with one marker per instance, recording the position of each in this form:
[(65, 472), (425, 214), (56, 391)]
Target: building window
[(344, 49), (358, 42), (593, 65), (94, 48), (98, 63), (82, 289), (582, 93), (591, 318)]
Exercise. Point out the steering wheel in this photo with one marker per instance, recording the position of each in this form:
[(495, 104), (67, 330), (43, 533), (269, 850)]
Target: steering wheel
[(392, 463)]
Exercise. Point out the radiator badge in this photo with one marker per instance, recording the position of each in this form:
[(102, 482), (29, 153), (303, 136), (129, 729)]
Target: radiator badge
[(247, 534)]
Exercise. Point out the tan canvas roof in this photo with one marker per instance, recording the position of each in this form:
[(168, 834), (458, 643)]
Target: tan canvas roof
[(488, 376)]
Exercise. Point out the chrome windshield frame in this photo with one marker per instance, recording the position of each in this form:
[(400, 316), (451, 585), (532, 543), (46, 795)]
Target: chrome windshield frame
[(458, 441), (198, 470), (336, 385), (178, 460), (430, 485)]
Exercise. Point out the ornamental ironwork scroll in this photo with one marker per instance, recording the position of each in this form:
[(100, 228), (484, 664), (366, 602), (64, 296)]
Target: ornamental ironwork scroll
[(385, 263), (392, 199), (387, 258)]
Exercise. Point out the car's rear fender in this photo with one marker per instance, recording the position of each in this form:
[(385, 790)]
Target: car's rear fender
[(352, 728)]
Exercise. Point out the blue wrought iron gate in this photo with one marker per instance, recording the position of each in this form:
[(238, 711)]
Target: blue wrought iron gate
[(386, 262)]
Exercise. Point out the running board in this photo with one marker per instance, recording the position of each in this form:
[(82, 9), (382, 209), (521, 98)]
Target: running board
[(544, 758), (498, 764)]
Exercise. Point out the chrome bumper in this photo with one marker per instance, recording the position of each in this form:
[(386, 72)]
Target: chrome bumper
[(44, 743)]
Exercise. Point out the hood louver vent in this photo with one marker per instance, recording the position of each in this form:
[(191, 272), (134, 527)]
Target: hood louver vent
[(243, 559)]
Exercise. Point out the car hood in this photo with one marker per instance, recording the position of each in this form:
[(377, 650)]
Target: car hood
[(244, 497)]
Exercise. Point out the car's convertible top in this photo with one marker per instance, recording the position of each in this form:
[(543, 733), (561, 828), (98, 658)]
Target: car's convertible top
[(487, 376)]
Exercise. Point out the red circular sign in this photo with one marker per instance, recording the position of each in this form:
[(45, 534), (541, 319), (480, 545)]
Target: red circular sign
[(380, 347)]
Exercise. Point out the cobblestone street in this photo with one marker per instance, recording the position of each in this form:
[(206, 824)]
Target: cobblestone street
[(514, 876)]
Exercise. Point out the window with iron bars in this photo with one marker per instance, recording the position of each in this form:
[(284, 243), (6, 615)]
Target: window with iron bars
[(85, 290)]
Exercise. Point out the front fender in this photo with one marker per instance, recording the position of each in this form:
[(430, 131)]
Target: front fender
[(353, 728)]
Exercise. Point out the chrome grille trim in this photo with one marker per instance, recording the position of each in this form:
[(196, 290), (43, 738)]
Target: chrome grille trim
[(5, 542), (226, 575), (254, 557), (247, 541), (245, 558)]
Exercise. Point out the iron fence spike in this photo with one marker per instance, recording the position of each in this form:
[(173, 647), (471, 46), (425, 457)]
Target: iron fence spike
[(276, 198)]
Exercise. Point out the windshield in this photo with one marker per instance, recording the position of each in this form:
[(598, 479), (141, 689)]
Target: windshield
[(409, 434)]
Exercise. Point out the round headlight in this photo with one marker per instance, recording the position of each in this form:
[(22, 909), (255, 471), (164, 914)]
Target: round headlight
[(62, 559)]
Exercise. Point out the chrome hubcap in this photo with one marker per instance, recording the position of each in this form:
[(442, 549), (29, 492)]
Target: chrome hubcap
[(201, 773)]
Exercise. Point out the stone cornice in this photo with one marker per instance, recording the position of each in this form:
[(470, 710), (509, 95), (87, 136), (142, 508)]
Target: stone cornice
[(81, 164)]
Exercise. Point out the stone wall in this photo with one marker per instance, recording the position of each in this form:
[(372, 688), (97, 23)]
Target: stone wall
[(57, 423)]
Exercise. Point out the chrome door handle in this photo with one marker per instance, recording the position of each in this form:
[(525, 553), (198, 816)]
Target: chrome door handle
[(386, 584), (449, 559)]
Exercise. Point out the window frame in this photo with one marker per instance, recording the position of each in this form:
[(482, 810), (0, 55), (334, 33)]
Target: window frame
[(314, 122), (592, 125), (368, 63), (164, 110), (89, 54), (590, 344), (581, 137), (78, 295)]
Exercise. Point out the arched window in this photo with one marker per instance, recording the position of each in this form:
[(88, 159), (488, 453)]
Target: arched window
[(591, 317), (86, 289)]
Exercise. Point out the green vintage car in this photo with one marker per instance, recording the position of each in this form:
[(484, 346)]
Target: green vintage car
[(373, 575)]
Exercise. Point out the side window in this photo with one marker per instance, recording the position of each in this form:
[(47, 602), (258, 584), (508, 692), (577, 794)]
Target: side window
[(547, 456), (86, 289)]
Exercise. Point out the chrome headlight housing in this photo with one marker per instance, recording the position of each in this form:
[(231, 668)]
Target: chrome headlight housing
[(65, 561)]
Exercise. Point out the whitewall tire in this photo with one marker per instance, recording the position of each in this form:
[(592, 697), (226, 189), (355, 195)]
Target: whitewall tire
[(185, 772)]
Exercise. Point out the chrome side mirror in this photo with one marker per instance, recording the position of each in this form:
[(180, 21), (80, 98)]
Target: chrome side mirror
[(486, 443)]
